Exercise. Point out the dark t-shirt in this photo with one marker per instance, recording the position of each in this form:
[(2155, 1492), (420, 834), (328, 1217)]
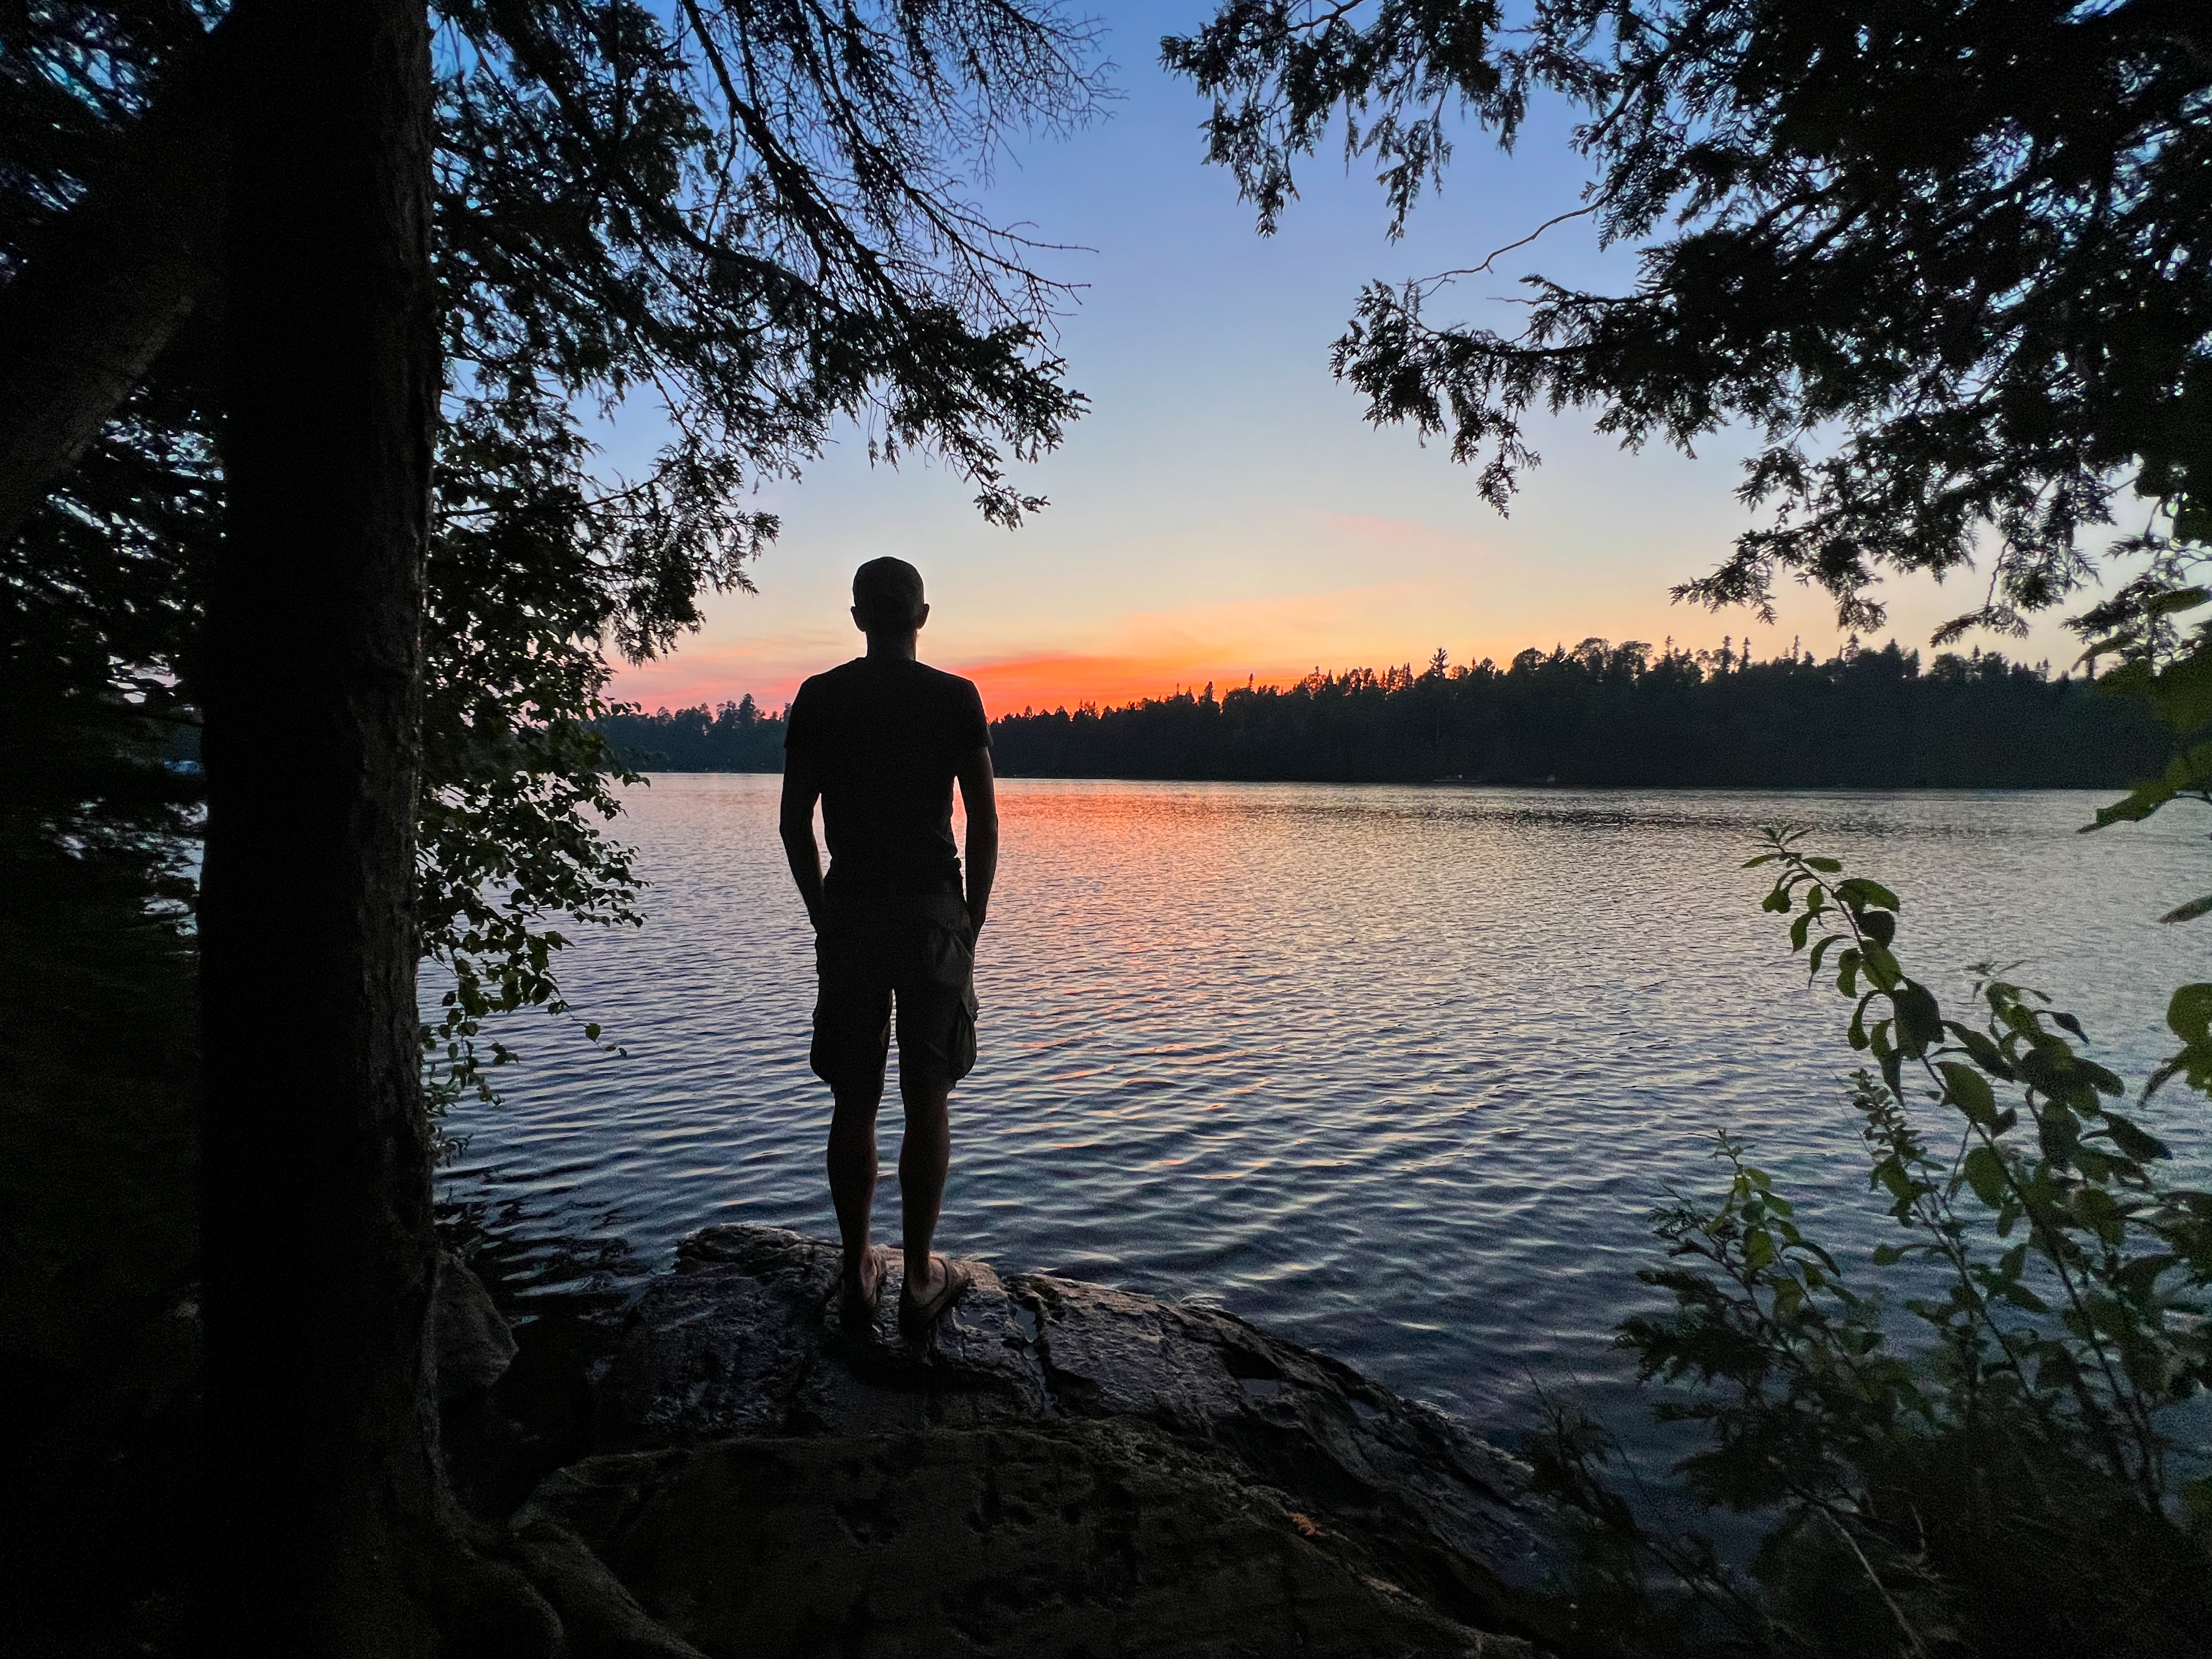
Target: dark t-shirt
[(884, 735)]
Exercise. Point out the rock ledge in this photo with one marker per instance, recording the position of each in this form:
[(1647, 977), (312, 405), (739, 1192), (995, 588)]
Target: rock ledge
[(1060, 1467)]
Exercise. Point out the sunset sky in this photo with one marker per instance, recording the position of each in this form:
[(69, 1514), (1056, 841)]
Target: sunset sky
[(1224, 511)]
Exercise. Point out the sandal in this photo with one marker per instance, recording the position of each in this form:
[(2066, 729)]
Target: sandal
[(917, 1316), (862, 1303)]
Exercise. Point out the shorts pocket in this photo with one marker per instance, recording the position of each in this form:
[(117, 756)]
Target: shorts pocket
[(962, 1043), (949, 959)]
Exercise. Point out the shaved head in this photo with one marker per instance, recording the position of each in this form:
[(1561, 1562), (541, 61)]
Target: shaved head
[(887, 595)]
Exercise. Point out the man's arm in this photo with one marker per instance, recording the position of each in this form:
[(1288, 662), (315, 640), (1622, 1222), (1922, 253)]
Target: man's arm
[(802, 788), (979, 795)]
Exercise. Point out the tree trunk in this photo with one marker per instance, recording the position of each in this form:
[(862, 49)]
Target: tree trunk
[(318, 1252)]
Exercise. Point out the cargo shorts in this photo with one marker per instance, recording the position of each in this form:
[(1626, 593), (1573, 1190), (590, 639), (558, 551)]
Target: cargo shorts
[(915, 952)]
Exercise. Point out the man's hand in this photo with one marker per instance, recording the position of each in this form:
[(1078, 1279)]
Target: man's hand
[(796, 822), (979, 795)]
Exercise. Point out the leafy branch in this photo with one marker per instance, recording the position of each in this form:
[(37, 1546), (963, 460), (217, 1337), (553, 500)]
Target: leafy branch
[(2062, 1276)]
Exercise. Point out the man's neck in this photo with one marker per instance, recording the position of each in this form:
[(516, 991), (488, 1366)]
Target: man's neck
[(893, 647)]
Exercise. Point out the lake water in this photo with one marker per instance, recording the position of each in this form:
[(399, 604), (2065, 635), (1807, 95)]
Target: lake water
[(1396, 1072)]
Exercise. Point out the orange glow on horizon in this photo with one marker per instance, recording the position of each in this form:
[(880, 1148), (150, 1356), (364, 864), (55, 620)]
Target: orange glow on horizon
[(1270, 639), (1186, 659), (1043, 682), (1063, 680)]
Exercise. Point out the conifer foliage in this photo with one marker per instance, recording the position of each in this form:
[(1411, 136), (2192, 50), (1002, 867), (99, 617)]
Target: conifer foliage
[(1948, 259), (741, 224)]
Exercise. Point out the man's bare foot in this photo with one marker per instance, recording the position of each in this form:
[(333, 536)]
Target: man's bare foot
[(863, 1280), (921, 1286), (921, 1306)]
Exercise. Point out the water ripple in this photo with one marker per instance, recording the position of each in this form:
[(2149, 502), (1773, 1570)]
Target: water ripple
[(1395, 1071)]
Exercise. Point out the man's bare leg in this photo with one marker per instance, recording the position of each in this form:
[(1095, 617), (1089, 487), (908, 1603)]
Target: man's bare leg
[(925, 1152), (853, 1184)]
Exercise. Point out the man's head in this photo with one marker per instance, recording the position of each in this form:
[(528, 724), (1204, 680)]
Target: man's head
[(887, 597)]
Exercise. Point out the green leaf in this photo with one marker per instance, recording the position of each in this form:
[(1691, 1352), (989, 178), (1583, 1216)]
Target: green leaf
[(2178, 599), (2098, 1211), (2185, 774), (2192, 518), (1968, 1090), (2139, 1278), (1919, 1020), (2054, 1368), (1986, 1053), (2197, 1499), (2111, 645), (1986, 1174), (2103, 1080), (2189, 1014), (1861, 894), (1881, 967), (2141, 1147), (2181, 691), (2133, 807), (1825, 866), (2190, 911)]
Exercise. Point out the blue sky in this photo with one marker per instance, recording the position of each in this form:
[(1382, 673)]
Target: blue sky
[(1223, 509)]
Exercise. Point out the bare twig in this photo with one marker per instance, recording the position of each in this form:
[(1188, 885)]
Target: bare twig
[(1432, 284)]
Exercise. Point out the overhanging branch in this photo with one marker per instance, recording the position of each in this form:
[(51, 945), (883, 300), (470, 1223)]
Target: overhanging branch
[(108, 284)]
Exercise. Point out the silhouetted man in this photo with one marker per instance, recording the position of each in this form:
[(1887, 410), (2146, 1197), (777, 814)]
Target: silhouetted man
[(880, 742)]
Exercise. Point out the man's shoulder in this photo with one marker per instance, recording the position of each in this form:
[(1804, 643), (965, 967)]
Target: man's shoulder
[(863, 684), (828, 678), (950, 686), (829, 686)]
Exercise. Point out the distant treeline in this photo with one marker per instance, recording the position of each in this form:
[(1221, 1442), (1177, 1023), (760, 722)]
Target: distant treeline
[(1601, 713), (737, 736)]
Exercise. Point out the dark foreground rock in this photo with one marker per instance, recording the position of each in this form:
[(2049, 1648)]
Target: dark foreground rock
[(1060, 1468), (473, 1344), (1091, 1538)]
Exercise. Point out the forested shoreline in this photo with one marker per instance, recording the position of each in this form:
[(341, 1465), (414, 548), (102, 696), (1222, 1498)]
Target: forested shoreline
[(736, 737), (1604, 714), (1596, 714)]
